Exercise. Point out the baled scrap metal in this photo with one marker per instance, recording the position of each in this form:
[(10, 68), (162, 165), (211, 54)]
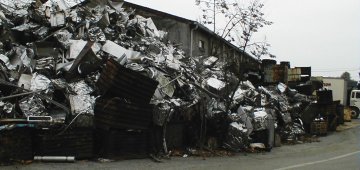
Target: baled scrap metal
[(215, 84), (162, 113), (116, 80), (77, 142), (80, 88), (25, 81), (41, 32), (32, 106), (41, 83), (6, 61), (245, 118), (264, 128), (122, 143), (51, 62), (7, 109), (282, 87), (119, 114), (237, 139), (96, 34), (16, 144), (215, 107), (259, 119), (324, 96), (146, 26), (246, 93), (62, 5), (210, 61), (82, 104), (76, 46), (45, 65), (120, 53), (20, 56), (86, 55), (63, 36), (135, 44), (165, 88), (292, 131), (175, 135), (285, 103)]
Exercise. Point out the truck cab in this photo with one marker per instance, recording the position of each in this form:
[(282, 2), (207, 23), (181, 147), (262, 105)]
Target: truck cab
[(355, 103)]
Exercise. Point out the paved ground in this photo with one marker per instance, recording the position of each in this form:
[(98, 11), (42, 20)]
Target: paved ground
[(338, 150)]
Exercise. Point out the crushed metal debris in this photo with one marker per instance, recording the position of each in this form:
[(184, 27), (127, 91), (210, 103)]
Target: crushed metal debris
[(97, 65)]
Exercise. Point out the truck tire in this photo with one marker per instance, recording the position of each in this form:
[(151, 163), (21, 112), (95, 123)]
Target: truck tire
[(354, 112)]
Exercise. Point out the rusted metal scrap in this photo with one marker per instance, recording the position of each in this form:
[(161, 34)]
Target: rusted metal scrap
[(95, 61)]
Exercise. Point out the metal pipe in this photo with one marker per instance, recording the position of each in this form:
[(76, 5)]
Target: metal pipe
[(55, 158), (192, 38), (20, 94), (214, 14)]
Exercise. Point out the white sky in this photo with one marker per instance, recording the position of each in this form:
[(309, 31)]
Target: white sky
[(323, 34)]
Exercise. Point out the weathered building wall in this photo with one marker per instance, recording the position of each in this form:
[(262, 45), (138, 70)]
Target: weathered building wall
[(201, 43), (197, 40), (178, 28), (178, 32)]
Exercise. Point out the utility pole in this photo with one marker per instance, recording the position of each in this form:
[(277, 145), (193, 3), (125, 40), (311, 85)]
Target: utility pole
[(214, 14), (213, 9)]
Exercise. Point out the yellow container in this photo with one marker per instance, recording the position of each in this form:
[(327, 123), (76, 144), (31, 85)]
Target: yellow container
[(347, 114)]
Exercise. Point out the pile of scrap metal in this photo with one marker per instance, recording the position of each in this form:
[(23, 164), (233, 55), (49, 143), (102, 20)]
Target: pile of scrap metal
[(256, 114), (68, 66)]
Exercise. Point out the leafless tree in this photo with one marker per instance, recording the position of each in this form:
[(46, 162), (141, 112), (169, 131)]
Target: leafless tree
[(242, 21)]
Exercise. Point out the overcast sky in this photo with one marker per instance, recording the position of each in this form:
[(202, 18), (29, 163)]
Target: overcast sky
[(323, 34)]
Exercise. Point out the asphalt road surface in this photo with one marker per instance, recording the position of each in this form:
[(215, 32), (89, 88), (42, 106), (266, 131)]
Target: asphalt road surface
[(337, 150)]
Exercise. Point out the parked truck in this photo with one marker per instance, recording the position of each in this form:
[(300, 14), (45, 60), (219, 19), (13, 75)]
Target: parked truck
[(341, 92), (355, 103)]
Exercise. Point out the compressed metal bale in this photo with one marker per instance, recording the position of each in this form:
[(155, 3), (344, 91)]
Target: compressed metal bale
[(260, 119), (122, 143), (306, 89), (119, 75), (117, 113), (292, 131), (324, 96), (76, 142), (237, 138), (16, 144), (116, 80), (127, 89), (175, 135)]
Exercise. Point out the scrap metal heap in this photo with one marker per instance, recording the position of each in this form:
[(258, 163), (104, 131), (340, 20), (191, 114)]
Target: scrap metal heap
[(94, 64)]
